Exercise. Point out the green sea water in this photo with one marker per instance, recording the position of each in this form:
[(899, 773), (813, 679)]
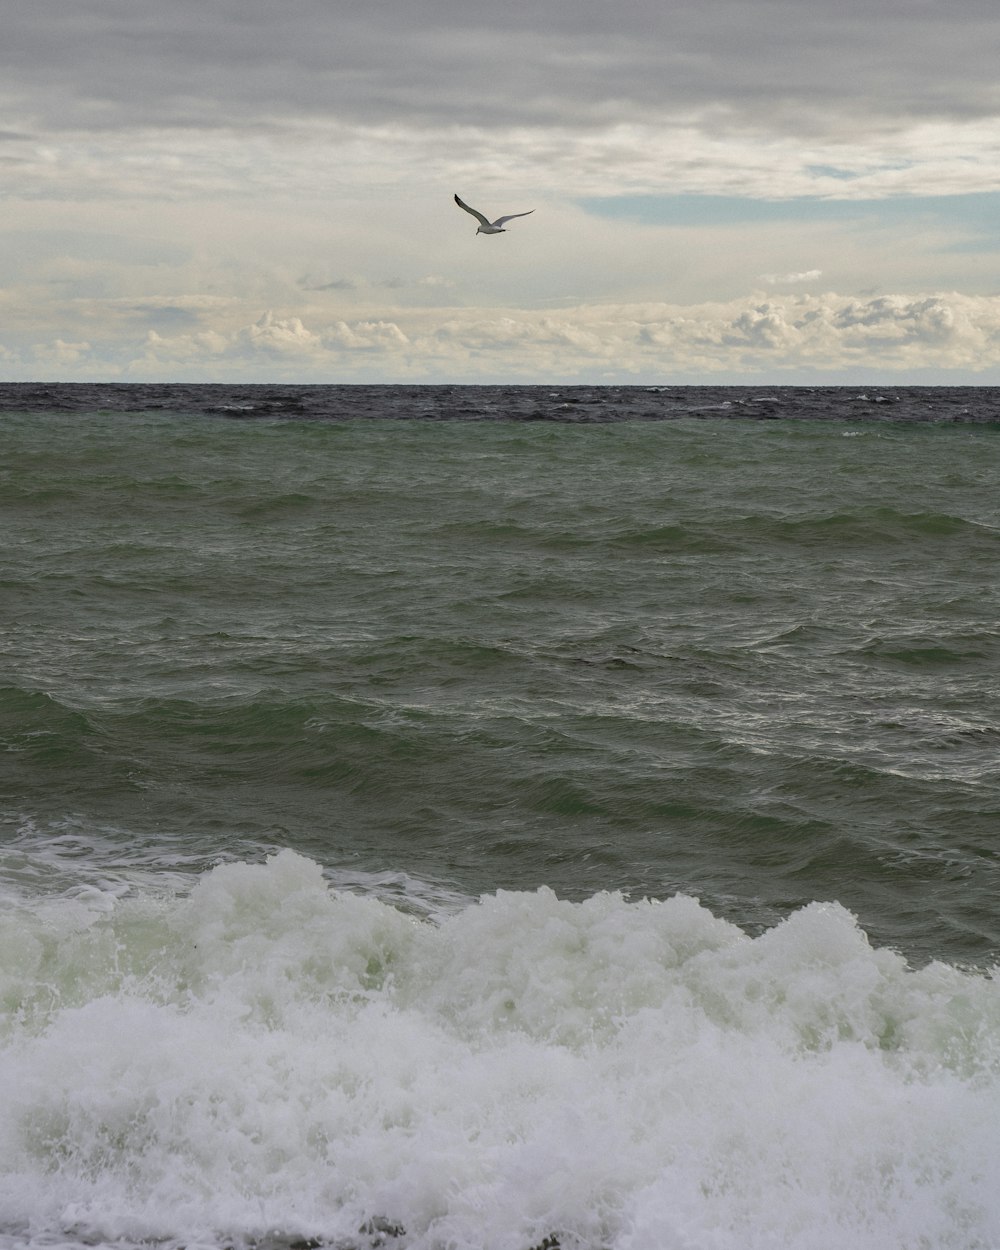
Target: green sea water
[(753, 662), (359, 777)]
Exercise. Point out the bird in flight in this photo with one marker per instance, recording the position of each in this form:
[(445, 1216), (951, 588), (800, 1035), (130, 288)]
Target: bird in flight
[(491, 227)]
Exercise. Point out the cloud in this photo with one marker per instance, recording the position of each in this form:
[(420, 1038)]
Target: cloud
[(372, 178), (281, 337), (366, 336), (821, 333), (331, 284), (61, 355), (790, 66), (791, 279), (791, 338), (272, 346)]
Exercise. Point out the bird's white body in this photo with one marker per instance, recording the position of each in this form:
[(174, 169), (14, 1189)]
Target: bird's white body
[(490, 227)]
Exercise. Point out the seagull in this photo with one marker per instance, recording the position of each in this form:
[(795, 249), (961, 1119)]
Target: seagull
[(491, 227)]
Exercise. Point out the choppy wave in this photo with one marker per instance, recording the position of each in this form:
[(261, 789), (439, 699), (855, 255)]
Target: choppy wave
[(266, 1059), (579, 405), (760, 767)]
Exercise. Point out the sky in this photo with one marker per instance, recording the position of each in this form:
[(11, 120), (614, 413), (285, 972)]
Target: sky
[(723, 191)]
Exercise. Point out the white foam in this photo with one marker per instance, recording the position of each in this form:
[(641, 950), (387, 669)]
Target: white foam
[(268, 1055)]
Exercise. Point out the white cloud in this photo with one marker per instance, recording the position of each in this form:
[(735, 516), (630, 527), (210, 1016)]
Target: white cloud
[(386, 167), (366, 336), (278, 336), (791, 279), (792, 337), (271, 346)]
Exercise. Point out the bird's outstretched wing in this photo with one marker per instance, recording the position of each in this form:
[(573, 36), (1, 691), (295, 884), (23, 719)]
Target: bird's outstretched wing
[(510, 217), (479, 217)]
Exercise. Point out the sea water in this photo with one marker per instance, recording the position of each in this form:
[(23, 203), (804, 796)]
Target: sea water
[(454, 817)]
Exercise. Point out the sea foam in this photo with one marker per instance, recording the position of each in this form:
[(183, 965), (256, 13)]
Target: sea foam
[(267, 1058)]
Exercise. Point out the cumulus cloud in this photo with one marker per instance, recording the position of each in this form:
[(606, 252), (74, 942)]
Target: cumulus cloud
[(794, 337), (61, 355), (819, 333), (281, 336), (830, 332), (272, 346)]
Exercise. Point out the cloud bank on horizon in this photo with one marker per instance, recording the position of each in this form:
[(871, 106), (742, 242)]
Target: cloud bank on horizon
[(737, 190)]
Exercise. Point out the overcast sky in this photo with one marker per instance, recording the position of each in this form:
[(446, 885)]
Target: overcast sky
[(724, 190)]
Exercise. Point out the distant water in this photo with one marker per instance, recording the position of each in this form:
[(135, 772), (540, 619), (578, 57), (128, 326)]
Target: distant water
[(484, 818)]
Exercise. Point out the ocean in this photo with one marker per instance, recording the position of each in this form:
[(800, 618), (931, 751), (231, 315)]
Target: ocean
[(499, 818)]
